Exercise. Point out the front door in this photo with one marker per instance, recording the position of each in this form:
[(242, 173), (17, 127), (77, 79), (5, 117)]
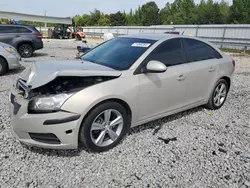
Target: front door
[(163, 92)]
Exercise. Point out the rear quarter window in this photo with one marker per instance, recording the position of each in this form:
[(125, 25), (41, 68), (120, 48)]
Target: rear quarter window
[(198, 51), (24, 30), (34, 29)]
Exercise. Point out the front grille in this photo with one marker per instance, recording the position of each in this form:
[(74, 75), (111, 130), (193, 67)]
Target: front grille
[(47, 138)]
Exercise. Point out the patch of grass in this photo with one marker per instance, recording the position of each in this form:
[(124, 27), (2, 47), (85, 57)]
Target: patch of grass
[(231, 50)]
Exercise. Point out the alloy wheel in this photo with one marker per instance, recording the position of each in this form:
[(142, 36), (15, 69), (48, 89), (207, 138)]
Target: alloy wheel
[(106, 128), (220, 94), (25, 50)]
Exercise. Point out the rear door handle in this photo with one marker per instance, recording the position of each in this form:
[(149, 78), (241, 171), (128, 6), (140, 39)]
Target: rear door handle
[(181, 77), (17, 35), (211, 69)]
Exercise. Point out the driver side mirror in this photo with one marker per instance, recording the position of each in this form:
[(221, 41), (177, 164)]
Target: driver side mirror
[(155, 67)]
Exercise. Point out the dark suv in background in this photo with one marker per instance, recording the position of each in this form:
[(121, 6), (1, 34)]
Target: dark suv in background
[(26, 39)]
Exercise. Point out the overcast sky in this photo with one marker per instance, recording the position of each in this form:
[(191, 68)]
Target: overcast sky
[(64, 8)]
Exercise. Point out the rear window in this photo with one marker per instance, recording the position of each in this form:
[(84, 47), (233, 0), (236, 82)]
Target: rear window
[(24, 30), (8, 29)]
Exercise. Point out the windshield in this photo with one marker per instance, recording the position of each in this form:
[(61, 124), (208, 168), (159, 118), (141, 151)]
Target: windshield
[(118, 53)]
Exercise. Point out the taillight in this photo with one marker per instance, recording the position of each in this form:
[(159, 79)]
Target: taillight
[(233, 63), (38, 35)]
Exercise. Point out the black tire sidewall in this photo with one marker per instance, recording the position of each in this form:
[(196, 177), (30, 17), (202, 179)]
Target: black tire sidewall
[(84, 134), (31, 50), (213, 93), (4, 66)]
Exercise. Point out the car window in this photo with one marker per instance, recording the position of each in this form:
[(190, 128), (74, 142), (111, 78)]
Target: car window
[(24, 30), (8, 29), (170, 53), (118, 53), (34, 29), (198, 51)]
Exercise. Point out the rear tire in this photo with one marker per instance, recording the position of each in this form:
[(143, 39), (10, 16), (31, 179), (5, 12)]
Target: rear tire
[(96, 125), (3, 66), (218, 96), (25, 50)]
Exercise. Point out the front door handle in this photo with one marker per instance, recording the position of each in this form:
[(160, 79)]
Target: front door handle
[(181, 77), (211, 69), (17, 35)]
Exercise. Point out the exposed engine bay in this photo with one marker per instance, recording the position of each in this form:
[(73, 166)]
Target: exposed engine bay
[(67, 84)]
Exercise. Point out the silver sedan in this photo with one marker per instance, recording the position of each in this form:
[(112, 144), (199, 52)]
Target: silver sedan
[(9, 58), (124, 82)]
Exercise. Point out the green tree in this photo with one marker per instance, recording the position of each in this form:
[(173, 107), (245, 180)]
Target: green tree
[(166, 14), (85, 20), (104, 20), (240, 12), (211, 13), (77, 20), (94, 17), (117, 19), (225, 11), (138, 17), (150, 14), (130, 18)]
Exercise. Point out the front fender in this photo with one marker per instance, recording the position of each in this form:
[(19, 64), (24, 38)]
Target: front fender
[(83, 101)]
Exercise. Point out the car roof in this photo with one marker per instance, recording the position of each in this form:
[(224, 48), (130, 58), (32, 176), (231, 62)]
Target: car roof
[(166, 36), (151, 36), (18, 25)]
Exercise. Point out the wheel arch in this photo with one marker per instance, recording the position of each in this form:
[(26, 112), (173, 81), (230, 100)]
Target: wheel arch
[(228, 80), (25, 42), (119, 101), (1, 57)]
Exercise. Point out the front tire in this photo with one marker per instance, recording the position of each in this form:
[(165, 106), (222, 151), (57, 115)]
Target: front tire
[(3, 66), (104, 127), (25, 50), (219, 95)]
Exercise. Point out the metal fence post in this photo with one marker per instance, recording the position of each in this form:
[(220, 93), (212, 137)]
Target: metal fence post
[(223, 36), (245, 49), (197, 29)]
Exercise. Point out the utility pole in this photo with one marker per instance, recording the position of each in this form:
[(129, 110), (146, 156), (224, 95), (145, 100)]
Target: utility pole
[(45, 14)]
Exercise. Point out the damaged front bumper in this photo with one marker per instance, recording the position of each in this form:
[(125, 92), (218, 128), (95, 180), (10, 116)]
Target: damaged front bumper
[(50, 130)]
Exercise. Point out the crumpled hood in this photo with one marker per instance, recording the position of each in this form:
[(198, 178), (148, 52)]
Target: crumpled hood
[(41, 73)]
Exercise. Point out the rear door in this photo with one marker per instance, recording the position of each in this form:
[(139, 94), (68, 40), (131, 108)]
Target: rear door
[(8, 34), (24, 34), (203, 62)]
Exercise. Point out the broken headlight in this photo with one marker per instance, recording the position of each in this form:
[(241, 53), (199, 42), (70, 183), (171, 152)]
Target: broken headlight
[(50, 103)]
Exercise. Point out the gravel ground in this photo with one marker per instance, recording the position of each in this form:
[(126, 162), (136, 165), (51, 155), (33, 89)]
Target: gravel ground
[(196, 148)]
